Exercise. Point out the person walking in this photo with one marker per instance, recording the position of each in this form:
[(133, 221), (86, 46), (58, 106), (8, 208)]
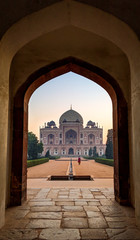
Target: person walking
[(79, 160)]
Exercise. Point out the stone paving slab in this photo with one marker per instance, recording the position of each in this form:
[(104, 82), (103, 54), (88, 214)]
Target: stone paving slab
[(112, 211), (72, 208), (49, 215), (106, 202), (85, 200), (117, 225), (97, 222), (16, 224), (22, 207), (128, 221), (128, 234), (81, 203), (62, 199), (74, 223), (94, 214), (60, 234), (18, 234), (41, 199), (60, 203), (45, 223), (91, 208), (113, 232), (48, 203), (15, 213), (74, 214), (46, 209), (94, 203), (93, 234), (46, 215)]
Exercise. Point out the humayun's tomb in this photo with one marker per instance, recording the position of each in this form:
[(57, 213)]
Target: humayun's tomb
[(71, 138)]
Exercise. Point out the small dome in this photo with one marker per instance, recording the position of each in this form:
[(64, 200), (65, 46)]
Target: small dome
[(71, 116)]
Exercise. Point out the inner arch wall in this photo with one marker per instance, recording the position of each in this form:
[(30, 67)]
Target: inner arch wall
[(97, 21), (120, 125)]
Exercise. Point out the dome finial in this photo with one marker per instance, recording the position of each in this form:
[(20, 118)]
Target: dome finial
[(71, 107)]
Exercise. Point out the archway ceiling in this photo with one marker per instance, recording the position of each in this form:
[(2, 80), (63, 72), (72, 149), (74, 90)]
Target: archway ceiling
[(83, 45), (125, 10)]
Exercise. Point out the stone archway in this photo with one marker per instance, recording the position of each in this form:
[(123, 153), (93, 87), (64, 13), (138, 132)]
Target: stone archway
[(20, 128), (91, 139), (71, 151), (71, 137), (51, 139)]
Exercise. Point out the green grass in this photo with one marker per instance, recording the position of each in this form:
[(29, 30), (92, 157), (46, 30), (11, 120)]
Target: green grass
[(105, 161), (34, 162)]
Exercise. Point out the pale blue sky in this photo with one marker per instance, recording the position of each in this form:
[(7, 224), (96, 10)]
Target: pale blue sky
[(53, 98)]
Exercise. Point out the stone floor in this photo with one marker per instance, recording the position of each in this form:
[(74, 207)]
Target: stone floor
[(44, 183), (70, 213)]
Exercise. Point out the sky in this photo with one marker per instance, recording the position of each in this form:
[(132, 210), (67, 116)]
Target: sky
[(56, 96)]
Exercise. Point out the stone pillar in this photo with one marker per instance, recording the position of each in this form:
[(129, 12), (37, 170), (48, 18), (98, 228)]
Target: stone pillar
[(136, 150), (121, 149), (19, 154), (3, 146), (135, 103)]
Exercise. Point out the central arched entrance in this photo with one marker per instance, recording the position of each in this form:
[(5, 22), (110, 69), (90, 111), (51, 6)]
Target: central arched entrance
[(71, 137), (71, 151), (20, 129)]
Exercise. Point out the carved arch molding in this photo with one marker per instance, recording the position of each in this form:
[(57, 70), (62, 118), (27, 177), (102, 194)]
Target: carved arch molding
[(18, 189)]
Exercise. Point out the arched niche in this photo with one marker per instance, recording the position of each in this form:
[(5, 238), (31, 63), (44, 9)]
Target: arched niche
[(70, 151), (71, 137)]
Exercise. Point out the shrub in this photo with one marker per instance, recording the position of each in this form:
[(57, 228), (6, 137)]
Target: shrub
[(89, 157), (34, 162), (105, 161), (54, 157)]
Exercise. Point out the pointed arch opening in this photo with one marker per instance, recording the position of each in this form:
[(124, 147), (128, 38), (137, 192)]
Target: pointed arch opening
[(20, 128)]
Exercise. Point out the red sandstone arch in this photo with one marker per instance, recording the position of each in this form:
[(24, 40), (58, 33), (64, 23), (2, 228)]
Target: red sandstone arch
[(20, 125), (91, 138), (68, 136)]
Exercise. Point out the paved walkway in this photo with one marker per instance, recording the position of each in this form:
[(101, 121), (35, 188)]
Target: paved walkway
[(70, 210), (70, 214), (102, 174), (43, 183), (60, 167)]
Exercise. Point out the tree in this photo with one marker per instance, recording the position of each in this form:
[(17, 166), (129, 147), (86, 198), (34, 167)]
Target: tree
[(40, 147), (90, 152), (34, 147), (47, 155), (95, 154), (109, 150)]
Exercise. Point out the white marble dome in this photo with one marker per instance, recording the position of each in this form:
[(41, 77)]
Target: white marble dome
[(70, 116)]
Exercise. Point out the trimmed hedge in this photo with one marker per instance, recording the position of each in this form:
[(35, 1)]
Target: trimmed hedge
[(54, 157), (88, 157), (105, 161), (34, 162)]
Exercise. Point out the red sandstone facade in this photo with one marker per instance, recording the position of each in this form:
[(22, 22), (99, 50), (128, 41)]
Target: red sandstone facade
[(71, 138)]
